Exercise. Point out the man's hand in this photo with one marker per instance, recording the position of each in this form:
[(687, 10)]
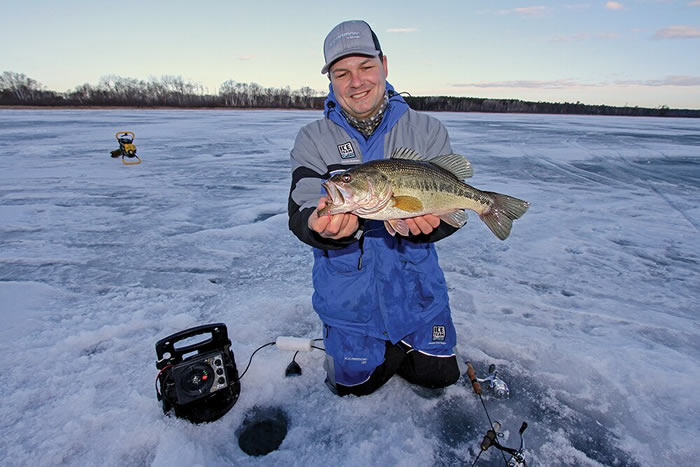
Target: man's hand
[(422, 224), (333, 227)]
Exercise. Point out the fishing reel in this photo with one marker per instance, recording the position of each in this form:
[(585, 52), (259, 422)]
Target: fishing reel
[(198, 381), (517, 458), (498, 388), (495, 384)]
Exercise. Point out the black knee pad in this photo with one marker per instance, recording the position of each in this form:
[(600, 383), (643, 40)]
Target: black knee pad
[(429, 371), (393, 358)]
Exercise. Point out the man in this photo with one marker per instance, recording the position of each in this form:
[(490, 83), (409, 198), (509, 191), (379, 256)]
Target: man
[(382, 299)]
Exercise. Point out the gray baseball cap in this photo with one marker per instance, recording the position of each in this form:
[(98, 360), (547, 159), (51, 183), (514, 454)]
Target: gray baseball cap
[(349, 38)]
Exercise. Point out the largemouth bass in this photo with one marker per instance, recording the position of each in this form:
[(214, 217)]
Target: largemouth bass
[(408, 185)]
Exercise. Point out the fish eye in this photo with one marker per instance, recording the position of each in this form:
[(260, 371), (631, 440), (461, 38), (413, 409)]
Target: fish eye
[(346, 178)]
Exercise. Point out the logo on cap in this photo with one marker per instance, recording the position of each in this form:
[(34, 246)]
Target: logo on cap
[(345, 35)]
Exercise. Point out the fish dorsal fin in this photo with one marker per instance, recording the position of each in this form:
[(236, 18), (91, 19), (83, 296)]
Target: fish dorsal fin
[(455, 164), (407, 154)]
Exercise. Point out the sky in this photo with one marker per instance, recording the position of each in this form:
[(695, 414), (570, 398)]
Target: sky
[(628, 52)]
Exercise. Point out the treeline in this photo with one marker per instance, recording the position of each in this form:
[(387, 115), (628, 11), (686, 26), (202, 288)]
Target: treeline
[(173, 91), (167, 91), (475, 104)]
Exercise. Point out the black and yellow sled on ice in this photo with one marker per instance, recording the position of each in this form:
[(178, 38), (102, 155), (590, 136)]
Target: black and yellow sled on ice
[(127, 148)]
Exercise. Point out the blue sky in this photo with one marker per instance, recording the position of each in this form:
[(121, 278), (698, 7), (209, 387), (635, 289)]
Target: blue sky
[(627, 52)]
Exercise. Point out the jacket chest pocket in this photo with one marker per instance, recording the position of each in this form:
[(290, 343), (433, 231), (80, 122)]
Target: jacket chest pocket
[(343, 292), (345, 261), (413, 256)]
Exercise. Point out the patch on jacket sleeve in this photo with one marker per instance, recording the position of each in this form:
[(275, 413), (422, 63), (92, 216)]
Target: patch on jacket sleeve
[(346, 150), (439, 333)]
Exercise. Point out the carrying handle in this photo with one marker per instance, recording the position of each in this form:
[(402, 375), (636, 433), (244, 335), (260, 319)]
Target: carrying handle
[(219, 338), (125, 133)]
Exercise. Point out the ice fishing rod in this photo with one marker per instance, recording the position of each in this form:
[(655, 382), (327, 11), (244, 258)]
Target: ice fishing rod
[(517, 457)]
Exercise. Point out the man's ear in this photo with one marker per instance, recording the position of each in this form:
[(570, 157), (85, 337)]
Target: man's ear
[(384, 64)]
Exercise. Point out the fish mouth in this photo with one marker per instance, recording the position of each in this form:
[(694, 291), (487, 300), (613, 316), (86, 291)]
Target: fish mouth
[(336, 196)]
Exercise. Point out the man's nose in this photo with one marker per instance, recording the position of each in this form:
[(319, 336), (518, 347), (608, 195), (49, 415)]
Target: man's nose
[(355, 80)]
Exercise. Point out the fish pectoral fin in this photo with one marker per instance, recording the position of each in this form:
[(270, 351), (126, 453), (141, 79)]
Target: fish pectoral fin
[(455, 218), (389, 228), (394, 226), (408, 203)]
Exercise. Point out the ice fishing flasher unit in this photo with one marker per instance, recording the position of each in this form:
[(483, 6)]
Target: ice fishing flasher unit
[(199, 381), (499, 389), (127, 148)]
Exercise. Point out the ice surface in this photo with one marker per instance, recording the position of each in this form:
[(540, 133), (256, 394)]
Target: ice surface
[(590, 308)]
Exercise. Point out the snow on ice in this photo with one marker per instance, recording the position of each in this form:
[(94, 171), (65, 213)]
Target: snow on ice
[(589, 309)]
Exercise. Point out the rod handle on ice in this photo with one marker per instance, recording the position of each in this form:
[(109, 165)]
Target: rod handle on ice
[(490, 438), (523, 427), (298, 344), (471, 374)]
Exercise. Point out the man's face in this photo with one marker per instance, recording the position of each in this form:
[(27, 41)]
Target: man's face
[(358, 84)]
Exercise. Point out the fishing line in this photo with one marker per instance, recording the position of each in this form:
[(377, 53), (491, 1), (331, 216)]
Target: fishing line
[(492, 428), (492, 435)]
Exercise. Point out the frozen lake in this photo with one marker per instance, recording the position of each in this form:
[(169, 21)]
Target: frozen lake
[(589, 309)]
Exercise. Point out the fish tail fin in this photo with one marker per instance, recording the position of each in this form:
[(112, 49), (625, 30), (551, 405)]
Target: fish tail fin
[(504, 210)]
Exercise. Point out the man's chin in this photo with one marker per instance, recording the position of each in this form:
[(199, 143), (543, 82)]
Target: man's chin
[(363, 112)]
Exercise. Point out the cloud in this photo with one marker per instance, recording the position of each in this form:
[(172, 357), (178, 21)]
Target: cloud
[(614, 6), (401, 30), (531, 11), (678, 32), (585, 36), (581, 36), (694, 3), (528, 84), (579, 6), (246, 58), (674, 80)]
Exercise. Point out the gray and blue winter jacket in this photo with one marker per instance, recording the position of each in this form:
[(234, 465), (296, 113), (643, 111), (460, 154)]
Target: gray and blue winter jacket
[(370, 283)]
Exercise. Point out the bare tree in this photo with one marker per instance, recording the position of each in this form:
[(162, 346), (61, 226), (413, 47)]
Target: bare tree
[(20, 86)]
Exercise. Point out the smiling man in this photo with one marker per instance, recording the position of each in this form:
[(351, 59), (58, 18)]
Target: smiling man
[(359, 83), (382, 299)]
